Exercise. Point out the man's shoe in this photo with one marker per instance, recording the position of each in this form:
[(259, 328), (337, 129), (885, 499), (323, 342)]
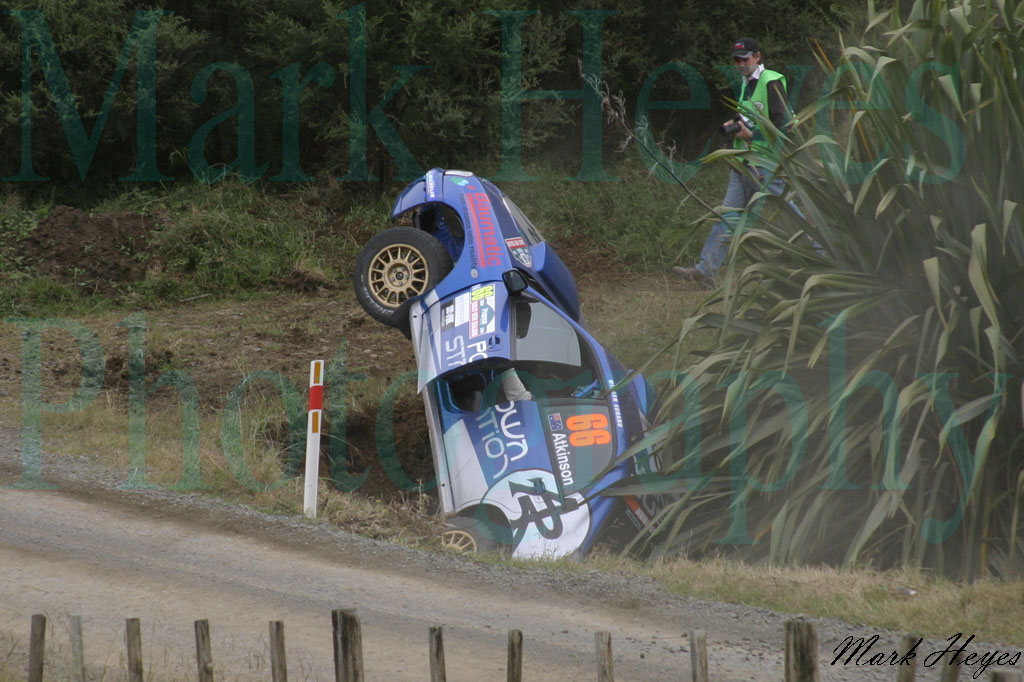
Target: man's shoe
[(694, 275)]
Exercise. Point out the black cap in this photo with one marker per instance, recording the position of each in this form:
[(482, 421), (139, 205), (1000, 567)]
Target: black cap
[(744, 47)]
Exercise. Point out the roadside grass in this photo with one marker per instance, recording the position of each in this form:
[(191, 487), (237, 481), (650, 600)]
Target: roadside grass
[(236, 240), (648, 224), (637, 332), (257, 474), (905, 600), (228, 240), (233, 243), (937, 607)]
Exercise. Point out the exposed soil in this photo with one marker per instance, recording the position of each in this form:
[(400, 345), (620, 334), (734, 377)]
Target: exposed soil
[(99, 251)]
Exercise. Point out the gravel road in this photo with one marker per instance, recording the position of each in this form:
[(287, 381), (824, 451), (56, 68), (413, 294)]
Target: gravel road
[(92, 548)]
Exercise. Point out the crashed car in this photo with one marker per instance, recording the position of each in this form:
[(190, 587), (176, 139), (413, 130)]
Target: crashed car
[(526, 410)]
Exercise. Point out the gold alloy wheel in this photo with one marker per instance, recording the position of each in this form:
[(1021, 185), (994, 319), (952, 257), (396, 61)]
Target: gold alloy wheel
[(397, 273), (458, 540)]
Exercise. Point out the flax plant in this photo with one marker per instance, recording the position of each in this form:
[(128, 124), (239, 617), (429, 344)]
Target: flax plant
[(862, 401)]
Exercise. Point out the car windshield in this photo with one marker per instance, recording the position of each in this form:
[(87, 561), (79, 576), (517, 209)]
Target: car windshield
[(548, 353)]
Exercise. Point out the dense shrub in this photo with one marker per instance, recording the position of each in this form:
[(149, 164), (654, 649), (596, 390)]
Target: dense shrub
[(863, 404), (290, 90)]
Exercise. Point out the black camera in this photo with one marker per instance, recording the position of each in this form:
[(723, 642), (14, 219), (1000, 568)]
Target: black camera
[(730, 129)]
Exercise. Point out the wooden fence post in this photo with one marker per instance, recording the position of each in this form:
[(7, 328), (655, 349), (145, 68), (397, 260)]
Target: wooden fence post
[(908, 673), (801, 651), (204, 655), (515, 656), (950, 673), (437, 671), (605, 671), (1007, 675), (278, 663), (77, 649), (37, 648), (133, 637), (699, 655), (348, 646)]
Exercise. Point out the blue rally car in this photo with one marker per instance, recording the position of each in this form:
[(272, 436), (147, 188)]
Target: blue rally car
[(524, 406)]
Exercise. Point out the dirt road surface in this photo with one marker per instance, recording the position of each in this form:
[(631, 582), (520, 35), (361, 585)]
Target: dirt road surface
[(93, 548)]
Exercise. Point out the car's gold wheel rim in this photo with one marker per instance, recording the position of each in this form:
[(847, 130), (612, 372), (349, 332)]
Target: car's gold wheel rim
[(397, 273), (459, 540)]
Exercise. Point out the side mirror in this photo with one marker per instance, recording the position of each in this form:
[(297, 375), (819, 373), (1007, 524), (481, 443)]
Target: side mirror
[(515, 281)]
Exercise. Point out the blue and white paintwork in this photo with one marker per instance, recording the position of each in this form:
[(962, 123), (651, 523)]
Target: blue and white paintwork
[(517, 457)]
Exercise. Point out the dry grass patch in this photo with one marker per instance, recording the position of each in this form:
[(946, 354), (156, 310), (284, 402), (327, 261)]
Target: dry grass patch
[(899, 600), (905, 600), (637, 317)]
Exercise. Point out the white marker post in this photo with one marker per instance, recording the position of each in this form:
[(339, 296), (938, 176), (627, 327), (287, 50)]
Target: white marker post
[(313, 424)]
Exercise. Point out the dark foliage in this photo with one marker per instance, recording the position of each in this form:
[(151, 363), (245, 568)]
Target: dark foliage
[(289, 91)]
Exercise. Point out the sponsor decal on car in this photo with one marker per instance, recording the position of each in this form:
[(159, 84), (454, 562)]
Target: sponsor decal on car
[(484, 229), (544, 523), (481, 311), (614, 395), (520, 251), (457, 352), (448, 315), (455, 313), (636, 513), (503, 435)]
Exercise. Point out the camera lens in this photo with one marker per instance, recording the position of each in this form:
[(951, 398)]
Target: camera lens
[(729, 129)]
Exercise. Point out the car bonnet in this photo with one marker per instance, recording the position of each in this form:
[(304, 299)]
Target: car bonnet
[(535, 461)]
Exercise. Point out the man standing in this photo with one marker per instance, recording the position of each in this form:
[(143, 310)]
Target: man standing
[(762, 93)]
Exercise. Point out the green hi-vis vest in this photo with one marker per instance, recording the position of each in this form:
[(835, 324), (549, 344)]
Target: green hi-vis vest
[(757, 105)]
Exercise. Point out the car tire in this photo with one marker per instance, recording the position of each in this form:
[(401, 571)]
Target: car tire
[(396, 265), (468, 535)]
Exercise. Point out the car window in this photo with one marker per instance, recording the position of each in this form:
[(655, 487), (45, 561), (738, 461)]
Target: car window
[(542, 335), (528, 229)]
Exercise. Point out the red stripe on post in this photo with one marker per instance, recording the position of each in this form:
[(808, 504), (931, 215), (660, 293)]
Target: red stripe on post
[(316, 397)]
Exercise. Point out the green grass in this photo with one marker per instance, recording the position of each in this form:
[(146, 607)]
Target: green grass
[(648, 224), (232, 239)]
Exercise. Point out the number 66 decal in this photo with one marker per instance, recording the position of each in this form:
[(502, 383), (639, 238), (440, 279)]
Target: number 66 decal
[(588, 429)]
